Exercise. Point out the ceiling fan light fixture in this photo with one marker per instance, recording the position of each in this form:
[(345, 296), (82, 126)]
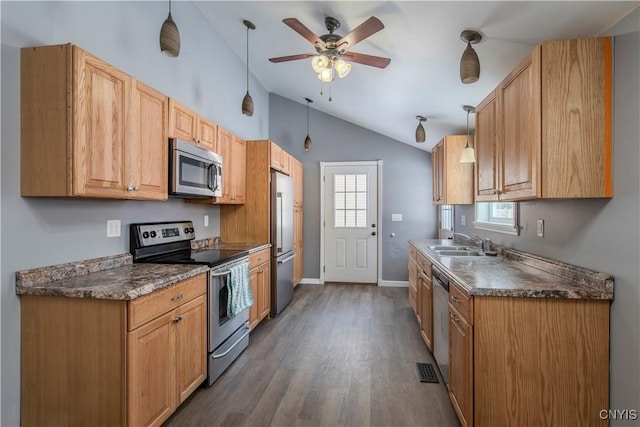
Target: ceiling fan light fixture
[(326, 75), (342, 68), (470, 63), (421, 135), (468, 155), (169, 37), (319, 63)]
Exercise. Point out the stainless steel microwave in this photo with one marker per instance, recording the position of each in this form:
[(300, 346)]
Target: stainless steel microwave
[(194, 171)]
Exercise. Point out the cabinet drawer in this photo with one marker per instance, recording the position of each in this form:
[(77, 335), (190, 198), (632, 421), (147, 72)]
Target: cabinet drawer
[(150, 306), (259, 257), (425, 265), (462, 303)]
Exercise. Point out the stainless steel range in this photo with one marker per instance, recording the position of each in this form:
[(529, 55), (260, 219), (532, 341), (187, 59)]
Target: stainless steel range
[(170, 243)]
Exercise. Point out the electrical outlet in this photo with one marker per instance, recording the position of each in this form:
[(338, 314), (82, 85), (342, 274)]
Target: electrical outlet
[(206, 220), (396, 217), (540, 228), (113, 228), (463, 219)]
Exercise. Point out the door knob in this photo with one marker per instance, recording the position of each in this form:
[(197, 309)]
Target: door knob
[(373, 233)]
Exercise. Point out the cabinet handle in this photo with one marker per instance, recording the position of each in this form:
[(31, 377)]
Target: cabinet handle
[(455, 319), (177, 297), (455, 299), (177, 319), (261, 271), (130, 188)]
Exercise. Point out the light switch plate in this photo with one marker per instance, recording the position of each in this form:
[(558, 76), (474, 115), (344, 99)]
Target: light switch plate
[(206, 220), (396, 217), (540, 228), (113, 228)]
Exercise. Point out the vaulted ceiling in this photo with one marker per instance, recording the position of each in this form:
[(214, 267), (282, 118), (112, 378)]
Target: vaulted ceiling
[(422, 38)]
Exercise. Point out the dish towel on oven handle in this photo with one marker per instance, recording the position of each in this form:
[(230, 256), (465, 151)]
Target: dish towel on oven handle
[(240, 297)]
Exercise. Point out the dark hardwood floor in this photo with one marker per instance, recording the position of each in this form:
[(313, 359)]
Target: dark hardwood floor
[(339, 355)]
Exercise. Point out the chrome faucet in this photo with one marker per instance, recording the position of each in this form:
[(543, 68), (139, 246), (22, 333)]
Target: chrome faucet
[(483, 244)]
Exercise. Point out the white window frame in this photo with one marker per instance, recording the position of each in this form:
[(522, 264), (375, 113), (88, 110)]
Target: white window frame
[(513, 228)]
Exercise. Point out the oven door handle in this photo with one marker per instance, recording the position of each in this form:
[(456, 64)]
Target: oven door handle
[(218, 356), (222, 274)]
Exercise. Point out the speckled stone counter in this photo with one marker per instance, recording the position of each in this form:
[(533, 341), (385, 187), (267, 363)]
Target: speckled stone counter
[(518, 274), (212, 243), (114, 277)]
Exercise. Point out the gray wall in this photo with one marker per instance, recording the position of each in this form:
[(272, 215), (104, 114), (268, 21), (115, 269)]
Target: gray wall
[(406, 175), (603, 235), (40, 232)]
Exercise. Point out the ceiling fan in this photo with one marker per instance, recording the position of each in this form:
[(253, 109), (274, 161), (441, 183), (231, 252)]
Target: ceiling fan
[(332, 50)]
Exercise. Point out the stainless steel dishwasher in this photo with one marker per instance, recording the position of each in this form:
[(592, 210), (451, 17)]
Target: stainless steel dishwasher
[(441, 322)]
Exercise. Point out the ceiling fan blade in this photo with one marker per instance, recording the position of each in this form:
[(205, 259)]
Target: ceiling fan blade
[(361, 32), (292, 57), (361, 58), (299, 28)]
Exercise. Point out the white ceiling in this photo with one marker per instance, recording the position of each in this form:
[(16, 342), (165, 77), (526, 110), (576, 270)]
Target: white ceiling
[(422, 38)]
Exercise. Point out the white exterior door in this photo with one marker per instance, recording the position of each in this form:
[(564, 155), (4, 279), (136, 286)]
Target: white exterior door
[(351, 222)]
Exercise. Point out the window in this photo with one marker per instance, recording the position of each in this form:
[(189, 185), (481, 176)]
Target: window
[(501, 217), (445, 229), (350, 200)]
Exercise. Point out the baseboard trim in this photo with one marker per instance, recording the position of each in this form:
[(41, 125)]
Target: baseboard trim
[(393, 283), (310, 281)]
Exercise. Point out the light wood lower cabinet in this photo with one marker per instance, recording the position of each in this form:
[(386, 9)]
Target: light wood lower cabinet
[(528, 361), (298, 247), (260, 278), (112, 363), (426, 312)]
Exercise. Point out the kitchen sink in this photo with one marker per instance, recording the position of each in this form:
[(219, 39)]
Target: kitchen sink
[(452, 248), (459, 252)]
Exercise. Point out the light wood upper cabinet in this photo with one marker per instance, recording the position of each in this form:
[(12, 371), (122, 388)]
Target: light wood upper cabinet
[(297, 173), (280, 159), (486, 150), (452, 180), (85, 128), (552, 127), (186, 124)]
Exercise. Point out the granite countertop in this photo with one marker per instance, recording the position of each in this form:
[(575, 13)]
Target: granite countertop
[(518, 274), (206, 244), (114, 278)]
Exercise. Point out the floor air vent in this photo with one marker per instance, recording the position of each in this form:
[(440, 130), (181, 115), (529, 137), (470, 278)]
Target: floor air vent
[(427, 373)]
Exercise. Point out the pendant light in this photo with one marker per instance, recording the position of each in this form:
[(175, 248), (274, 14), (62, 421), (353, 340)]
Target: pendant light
[(468, 155), (170, 37), (307, 140), (469, 63), (420, 133), (247, 101)]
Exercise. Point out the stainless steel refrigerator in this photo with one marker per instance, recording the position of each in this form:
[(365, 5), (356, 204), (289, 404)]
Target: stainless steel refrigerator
[(281, 242)]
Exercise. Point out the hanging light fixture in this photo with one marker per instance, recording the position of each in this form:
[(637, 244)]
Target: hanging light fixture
[(170, 37), (468, 155), (469, 63), (307, 140), (420, 133), (247, 101)]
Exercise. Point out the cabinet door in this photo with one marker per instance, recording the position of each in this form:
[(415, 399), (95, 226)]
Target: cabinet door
[(206, 134), (413, 283), (297, 172), (264, 290), (298, 263), (254, 318), (280, 159), (487, 153), (191, 346), (100, 127), (419, 298), (225, 149), (182, 121), (461, 366), (298, 241), (426, 314), (519, 103), (147, 162), (238, 173), (151, 361)]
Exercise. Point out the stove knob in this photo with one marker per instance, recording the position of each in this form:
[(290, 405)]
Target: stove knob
[(187, 230), (153, 234), (145, 235)]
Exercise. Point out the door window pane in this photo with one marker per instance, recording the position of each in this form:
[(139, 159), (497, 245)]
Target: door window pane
[(350, 196)]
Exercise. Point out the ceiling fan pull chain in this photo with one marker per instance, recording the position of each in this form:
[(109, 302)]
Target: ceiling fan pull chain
[(321, 88), (329, 91)]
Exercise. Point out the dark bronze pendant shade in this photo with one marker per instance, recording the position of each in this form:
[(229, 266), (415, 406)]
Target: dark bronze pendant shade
[(247, 101), (307, 140), (421, 135), (170, 37), (470, 63)]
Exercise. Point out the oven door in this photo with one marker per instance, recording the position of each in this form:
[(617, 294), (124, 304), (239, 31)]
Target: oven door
[(221, 325), (194, 171)]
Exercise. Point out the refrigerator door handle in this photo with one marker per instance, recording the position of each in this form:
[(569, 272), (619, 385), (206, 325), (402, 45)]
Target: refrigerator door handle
[(287, 259), (279, 213)]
